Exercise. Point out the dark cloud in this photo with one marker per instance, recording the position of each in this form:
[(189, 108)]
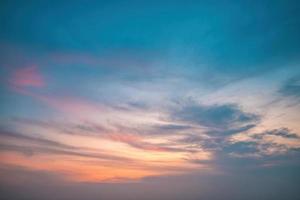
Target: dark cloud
[(256, 149), (229, 132), (138, 105), (215, 116), (282, 132), (196, 141), (165, 129), (291, 88), (172, 127), (217, 123), (261, 148), (191, 139), (223, 121), (241, 147)]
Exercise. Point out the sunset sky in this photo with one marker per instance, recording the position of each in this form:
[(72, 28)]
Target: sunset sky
[(142, 100)]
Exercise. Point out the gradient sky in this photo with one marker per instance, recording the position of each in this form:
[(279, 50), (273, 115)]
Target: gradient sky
[(150, 100)]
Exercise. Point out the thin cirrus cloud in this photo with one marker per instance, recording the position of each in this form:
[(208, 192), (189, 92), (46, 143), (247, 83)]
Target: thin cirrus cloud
[(291, 87), (49, 147), (37, 149), (23, 80), (134, 138)]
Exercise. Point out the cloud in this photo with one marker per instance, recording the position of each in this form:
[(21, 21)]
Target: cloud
[(282, 132), (229, 132), (69, 105), (37, 140), (84, 128), (72, 105), (214, 116), (32, 150), (163, 129), (259, 146), (27, 77), (138, 142), (241, 147), (46, 146), (291, 88), (214, 125), (171, 127), (128, 136)]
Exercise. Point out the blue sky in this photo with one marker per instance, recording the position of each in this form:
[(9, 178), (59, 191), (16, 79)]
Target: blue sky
[(195, 95)]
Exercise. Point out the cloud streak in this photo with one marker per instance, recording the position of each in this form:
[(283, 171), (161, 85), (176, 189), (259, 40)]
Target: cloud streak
[(214, 116), (291, 88), (51, 147)]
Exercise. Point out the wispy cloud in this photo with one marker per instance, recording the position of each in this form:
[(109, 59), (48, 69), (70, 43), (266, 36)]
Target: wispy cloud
[(134, 138), (225, 116), (27, 77), (282, 132), (50, 147), (291, 88)]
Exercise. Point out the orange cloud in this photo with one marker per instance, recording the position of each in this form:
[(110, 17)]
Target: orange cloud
[(71, 105), (76, 169), (136, 142)]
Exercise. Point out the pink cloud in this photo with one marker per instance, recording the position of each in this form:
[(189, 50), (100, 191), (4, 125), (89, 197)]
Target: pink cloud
[(27, 77), (72, 105), (136, 142)]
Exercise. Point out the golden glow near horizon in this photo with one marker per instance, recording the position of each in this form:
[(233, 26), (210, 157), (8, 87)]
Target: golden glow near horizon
[(100, 159), (96, 154), (88, 140)]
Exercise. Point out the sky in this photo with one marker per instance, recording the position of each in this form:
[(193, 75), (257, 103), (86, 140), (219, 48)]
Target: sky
[(150, 100)]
